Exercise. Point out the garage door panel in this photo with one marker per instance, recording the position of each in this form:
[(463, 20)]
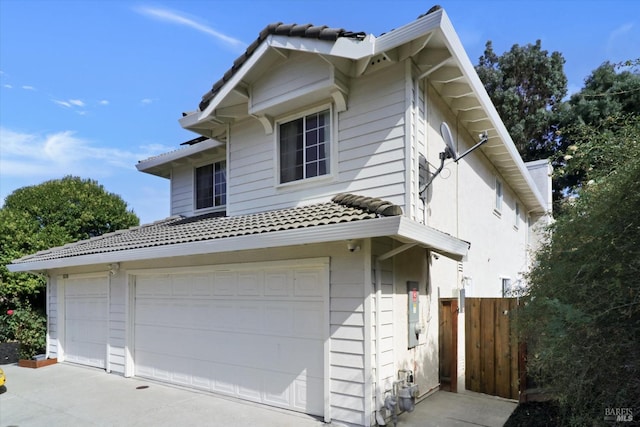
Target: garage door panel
[(201, 374), (156, 285), (224, 283), (86, 320), (202, 285), (308, 283), (278, 283), (250, 283), (253, 334), (307, 321)]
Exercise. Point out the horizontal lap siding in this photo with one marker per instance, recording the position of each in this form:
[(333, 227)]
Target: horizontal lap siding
[(117, 322), (420, 146), (300, 71), (52, 317), (251, 168), (371, 136), (347, 320), (182, 191), (368, 157)]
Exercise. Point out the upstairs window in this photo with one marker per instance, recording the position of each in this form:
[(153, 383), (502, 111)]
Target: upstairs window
[(304, 147), (506, 287), (498, 206), (211, 185)]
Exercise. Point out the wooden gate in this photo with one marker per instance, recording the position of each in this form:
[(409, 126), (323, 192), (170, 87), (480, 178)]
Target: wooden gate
[(491, 355), (448, 345)]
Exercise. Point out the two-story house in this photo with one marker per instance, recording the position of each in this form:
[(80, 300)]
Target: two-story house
[(311, 238)]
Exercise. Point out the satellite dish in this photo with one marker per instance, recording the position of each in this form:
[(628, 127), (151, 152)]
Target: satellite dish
[(450, 151)]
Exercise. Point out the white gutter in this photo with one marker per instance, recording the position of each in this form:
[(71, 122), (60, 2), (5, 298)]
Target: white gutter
[(399, 227)]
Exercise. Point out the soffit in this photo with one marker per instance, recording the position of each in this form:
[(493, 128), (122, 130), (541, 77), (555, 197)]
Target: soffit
[(193, 153)]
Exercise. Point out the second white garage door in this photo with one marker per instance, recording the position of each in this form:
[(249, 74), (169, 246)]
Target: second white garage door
[(253, 333)]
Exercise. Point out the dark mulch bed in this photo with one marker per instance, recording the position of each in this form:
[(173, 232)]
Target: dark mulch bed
[(535, 414)]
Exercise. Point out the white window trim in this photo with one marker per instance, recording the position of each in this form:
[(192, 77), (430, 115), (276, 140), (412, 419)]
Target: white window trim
[(516, 210), (502, 280), (332, 163), (211, 209), (498, 199)]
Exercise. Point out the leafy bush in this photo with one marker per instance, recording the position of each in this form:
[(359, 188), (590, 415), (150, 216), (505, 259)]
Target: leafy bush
[(581, 319), (26, 325)]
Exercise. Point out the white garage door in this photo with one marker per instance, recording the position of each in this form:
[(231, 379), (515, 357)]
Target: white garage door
[(255, 334), (85, 307)]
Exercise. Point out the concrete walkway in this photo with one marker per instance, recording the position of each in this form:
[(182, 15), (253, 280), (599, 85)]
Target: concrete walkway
[(465, 409), (65, 395)]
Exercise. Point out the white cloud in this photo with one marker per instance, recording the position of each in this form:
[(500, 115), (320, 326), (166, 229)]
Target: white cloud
[(27, 87), (103, 102), (8, 86), (620, 40), (146, 101), (62, 153), (180, 19), (71, 103), (63, 103), (619, 32)]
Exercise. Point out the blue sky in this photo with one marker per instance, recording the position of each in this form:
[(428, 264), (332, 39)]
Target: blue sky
[(88, 88)]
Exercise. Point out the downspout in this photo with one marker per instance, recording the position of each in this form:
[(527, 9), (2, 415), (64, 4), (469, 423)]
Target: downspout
[(378, 271)]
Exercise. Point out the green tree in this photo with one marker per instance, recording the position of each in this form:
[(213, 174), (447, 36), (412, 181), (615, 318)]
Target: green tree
[(526, 84), (39, 217), (581, 319), (596, 126)]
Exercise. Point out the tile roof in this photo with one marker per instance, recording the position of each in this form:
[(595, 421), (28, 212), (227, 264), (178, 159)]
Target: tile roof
[(279, 29), (176, 230)]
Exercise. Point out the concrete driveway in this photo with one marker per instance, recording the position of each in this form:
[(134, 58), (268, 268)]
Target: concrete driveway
[(67, 395)]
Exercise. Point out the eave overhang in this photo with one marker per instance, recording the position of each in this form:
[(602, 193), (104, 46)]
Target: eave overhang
[(438, 55), (398, 227), (500, 148), (161, 165)]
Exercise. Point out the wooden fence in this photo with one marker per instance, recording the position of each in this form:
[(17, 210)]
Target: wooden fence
[(491, 355)]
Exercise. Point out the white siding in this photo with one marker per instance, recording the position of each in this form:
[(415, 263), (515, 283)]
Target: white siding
[(301, 73), (387, 369), (420, 151), (117, 322), (251, 169), (52, 317), (347, 322), (182, 191), (367, 152), (371, 135)]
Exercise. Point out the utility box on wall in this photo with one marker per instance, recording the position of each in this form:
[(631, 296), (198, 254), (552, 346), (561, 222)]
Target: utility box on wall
[(413, 317)]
